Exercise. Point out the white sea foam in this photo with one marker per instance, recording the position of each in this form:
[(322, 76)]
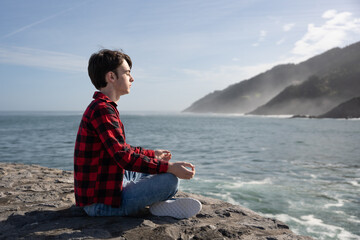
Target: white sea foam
[(271, 116), (315, 226), (354, 183), (340, 203), (313, 176), (262, 182), (236, 185), (204, 180), (354, 219), (340, 212), (225, 197)]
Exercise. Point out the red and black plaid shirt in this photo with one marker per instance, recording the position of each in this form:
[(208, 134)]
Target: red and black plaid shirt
[(102, 154)]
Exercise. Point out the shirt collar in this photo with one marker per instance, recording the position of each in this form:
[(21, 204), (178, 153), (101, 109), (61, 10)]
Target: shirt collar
[(100, 95)]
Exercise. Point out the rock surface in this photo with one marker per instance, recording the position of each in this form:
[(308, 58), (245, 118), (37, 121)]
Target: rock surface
[(38, 203)]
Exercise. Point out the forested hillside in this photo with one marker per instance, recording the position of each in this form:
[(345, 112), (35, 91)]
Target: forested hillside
[(310, 87)]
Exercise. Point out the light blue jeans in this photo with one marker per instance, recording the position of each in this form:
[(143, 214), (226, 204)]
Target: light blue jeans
[(139, 190)]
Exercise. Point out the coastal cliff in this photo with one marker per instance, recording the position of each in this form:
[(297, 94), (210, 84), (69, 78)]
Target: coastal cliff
[(38, 203), (348, 109), (312, 87)]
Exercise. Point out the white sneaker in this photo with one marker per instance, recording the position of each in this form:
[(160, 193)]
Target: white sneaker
[(177, 208)]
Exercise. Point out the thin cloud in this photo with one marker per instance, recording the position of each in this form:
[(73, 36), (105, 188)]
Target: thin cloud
[(288, 27), (32, 25), (338, 29), (43, 59), (281, 41), (329, 13), (262, 36), (40, 21)]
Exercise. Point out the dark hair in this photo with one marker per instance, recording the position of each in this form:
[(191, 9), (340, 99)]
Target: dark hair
[(104, 61)]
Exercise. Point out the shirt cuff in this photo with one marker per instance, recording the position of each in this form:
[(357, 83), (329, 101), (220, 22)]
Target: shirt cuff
[(162, 166)]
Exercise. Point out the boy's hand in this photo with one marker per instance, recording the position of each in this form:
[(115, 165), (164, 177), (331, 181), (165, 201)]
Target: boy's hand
[(181, 170), (163, 154)]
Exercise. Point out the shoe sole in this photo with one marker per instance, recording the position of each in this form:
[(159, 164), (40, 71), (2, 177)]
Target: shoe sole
[(179, 208)]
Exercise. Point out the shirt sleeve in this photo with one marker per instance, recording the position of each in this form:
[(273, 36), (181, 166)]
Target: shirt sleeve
[(146, 152), (107, 125)]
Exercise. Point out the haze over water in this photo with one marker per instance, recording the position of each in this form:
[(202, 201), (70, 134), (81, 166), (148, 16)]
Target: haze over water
[(304, 172)]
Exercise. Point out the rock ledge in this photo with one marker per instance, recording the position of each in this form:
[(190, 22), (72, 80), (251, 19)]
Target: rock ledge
[(38, 203)]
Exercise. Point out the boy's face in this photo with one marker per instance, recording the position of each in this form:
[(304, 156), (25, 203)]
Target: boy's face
[(123, 79)]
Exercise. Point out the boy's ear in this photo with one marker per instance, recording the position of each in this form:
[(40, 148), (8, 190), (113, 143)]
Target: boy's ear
[(109, 76)]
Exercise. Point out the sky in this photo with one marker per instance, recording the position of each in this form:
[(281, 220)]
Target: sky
[(181, 50)]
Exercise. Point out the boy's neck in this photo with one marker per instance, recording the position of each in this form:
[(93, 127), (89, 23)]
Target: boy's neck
[(110, 94)]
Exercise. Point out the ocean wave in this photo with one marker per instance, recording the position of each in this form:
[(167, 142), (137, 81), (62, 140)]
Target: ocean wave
[(353, 219), (354, 183), (236, 185), (340, 203), (224, 196), (315, 226)]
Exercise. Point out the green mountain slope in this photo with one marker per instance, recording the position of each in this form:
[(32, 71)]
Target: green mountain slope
[(248, 95), (316, 95), (348, 109)]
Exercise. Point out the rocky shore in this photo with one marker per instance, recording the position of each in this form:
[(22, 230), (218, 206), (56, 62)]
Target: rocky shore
[(38, 203)]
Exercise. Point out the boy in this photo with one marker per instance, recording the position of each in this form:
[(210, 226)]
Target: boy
[(113, 178)]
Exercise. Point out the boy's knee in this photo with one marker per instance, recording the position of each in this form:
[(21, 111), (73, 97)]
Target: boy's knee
[(174, 179), (173, 183)]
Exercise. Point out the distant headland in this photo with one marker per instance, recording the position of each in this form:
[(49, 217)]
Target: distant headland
[(322, 86)]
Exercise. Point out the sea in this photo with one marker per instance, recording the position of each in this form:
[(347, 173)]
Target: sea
[(304, 172)]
